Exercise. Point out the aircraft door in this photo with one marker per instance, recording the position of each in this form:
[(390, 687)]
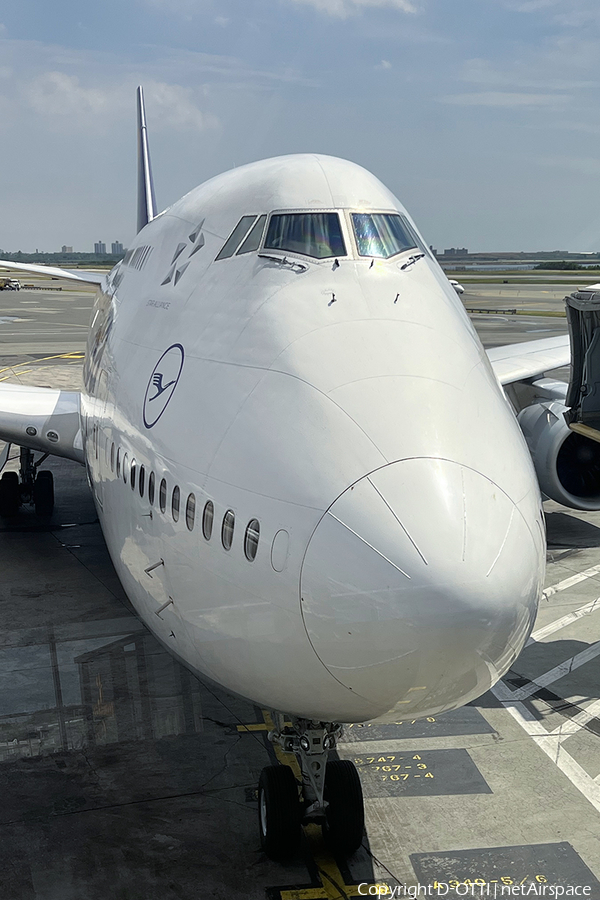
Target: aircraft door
[(583, 396)]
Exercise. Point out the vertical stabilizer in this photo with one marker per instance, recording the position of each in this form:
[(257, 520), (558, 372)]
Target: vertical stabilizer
[(146, 198)]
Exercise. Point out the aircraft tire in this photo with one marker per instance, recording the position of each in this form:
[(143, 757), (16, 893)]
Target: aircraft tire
[(278, 811), (43, 493), (10, 495), (345, 812)]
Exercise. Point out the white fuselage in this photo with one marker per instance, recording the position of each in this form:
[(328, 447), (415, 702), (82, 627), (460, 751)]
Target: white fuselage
[(348, 406)]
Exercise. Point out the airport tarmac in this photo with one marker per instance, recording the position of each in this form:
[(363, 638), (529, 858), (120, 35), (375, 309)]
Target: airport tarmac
[(124, 777)]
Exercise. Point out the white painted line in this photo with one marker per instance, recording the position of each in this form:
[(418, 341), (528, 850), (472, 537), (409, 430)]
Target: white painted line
[(580, 659), (551, 746), (572, 726), (569, 582), (586, 610)]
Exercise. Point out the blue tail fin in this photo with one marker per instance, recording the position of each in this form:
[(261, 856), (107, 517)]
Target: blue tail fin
[(146, 199)]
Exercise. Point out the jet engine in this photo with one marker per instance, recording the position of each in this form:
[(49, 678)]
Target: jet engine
[(567, 464)]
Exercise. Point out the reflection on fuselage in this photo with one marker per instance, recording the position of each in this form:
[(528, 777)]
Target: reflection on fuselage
[(124, 689)]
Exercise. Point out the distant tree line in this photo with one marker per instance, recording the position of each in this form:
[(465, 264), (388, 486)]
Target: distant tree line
[(564, 265), (62, 258)]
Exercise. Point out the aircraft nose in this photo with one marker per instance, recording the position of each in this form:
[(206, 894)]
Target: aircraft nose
[(420, 585)]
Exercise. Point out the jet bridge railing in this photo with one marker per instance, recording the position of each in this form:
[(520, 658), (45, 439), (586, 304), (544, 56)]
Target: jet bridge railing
[(583, 395)]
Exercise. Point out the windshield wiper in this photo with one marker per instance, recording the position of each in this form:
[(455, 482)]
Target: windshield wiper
[(284, 261), (411, 260)]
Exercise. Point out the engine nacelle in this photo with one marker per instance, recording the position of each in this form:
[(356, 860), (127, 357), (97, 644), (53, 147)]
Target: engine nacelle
[(567, 464)]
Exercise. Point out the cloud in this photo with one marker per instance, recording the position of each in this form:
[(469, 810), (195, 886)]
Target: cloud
[(384, 64), (588, 166), (176, 107), (507, 99), (568, 13), (529, 6), (530, 73), (59, 96), (344, 8)]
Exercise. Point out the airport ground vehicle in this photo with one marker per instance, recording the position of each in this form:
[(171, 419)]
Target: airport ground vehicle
[(10, 284)]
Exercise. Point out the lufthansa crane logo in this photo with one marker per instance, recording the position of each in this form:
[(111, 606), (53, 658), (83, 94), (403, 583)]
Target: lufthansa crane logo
[(162, 384)]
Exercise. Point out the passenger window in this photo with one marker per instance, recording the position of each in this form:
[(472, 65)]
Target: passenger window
[(190, 512), (132, 480), (112, 457), (251, 539), (253, 240), (236, 236), (151, 489), (141, 480), (125, 468), (175, 504), (162, 495), (207, 519), (119, 463), (314, 234), (227, 529)]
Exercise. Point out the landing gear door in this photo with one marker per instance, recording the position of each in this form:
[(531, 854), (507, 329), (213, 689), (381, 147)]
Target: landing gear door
[(583, 397)]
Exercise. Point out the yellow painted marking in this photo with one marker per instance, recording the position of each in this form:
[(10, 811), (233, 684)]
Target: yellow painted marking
[(334, 887), (71, 357), (34, 362), (303, 894), (286, 759)]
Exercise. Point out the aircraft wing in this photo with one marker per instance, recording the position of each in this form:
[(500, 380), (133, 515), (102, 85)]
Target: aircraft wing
[(70, 274), (516, 362), (41, 419)]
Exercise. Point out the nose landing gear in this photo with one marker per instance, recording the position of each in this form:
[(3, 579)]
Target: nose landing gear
[(330, 794), (29, 486)]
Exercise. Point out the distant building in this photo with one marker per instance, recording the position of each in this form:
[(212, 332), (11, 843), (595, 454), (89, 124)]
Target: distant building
[(100, 248), (65, 249), (116, 247), (456, 251), (433, 250)]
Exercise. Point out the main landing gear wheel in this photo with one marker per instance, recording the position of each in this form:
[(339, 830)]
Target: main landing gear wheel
[(43, 493), (10, 495), (345, 814), (278, 811)]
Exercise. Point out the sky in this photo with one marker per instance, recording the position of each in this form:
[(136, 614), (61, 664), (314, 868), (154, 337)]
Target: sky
[(482, 116)]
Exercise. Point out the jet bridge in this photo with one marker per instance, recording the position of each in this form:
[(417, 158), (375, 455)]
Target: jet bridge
[(583, 396)]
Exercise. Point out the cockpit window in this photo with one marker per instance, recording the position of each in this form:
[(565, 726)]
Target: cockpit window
[(313, 234), (253, 240), (382, 235), (237, 235)]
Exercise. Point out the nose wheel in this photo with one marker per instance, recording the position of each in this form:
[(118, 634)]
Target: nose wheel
[(279, 811), (344, 811), (330, 794)]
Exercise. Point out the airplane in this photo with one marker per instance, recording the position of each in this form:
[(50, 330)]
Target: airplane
[(318, 490)]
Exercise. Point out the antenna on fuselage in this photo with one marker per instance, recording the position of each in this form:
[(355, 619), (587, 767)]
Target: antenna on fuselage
[(146, 199)]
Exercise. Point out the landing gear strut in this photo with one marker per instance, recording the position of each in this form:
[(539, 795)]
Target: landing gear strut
[(29, 486), (330, 794)]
